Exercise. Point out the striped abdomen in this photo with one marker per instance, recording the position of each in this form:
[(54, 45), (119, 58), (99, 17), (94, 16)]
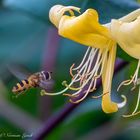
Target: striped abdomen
[(22, 86)]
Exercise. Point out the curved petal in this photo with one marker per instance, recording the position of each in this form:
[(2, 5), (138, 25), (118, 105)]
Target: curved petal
[(107, 105), (57, 11), (127, 36), (84, 29)]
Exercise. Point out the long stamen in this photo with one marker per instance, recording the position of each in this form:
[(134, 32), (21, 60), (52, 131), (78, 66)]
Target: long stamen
[(102, 60), (84, 67), (87, 80), (86, 73), (83, 77), (43, 92), (95, 69), (133, 79), (76, 94), (81, 86), (91, 55), (83, 59), (131, 115), (90, 58), (93, 72), (104, 55), (99, 96), (138, 101), (135, 84), (70, 95), (126, 82), (95, 79), (64, 83), (87, 66), (137, 71), (87, 92), (94, 85), (77, 75), (91, 62), (82, 73), (135, 112), (71, 73), (98, 67)]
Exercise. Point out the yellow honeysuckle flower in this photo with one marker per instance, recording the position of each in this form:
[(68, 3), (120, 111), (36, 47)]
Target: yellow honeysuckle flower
[(127, 35), (68, 26), (100, 56)]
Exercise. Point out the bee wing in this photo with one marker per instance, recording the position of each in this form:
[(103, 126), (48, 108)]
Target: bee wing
[(46, 85), (19, 71)]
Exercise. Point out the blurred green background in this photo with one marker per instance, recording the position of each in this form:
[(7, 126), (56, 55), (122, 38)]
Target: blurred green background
[(29, 40)]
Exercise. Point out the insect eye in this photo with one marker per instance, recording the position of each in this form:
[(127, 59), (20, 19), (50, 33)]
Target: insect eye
[(47, 75)]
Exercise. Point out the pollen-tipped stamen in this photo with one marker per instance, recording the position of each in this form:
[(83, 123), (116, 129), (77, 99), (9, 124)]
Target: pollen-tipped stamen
[(81, 72), (90, 69), (87, 79), (93, 74), (87, 67), (71, 73), (43, 92), (64, 83), (85, 95)]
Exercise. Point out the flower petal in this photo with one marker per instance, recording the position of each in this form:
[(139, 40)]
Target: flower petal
[(84, 29), (128, 36), (107, 105), (57, 11)]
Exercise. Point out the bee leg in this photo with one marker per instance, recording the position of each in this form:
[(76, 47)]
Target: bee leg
[(20, 93)]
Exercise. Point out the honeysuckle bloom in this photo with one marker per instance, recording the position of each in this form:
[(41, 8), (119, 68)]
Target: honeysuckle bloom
[(100, 56), (127, 34)]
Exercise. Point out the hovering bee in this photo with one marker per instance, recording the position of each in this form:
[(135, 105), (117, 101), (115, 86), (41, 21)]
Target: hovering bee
[(34, 80), (39, 79)]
